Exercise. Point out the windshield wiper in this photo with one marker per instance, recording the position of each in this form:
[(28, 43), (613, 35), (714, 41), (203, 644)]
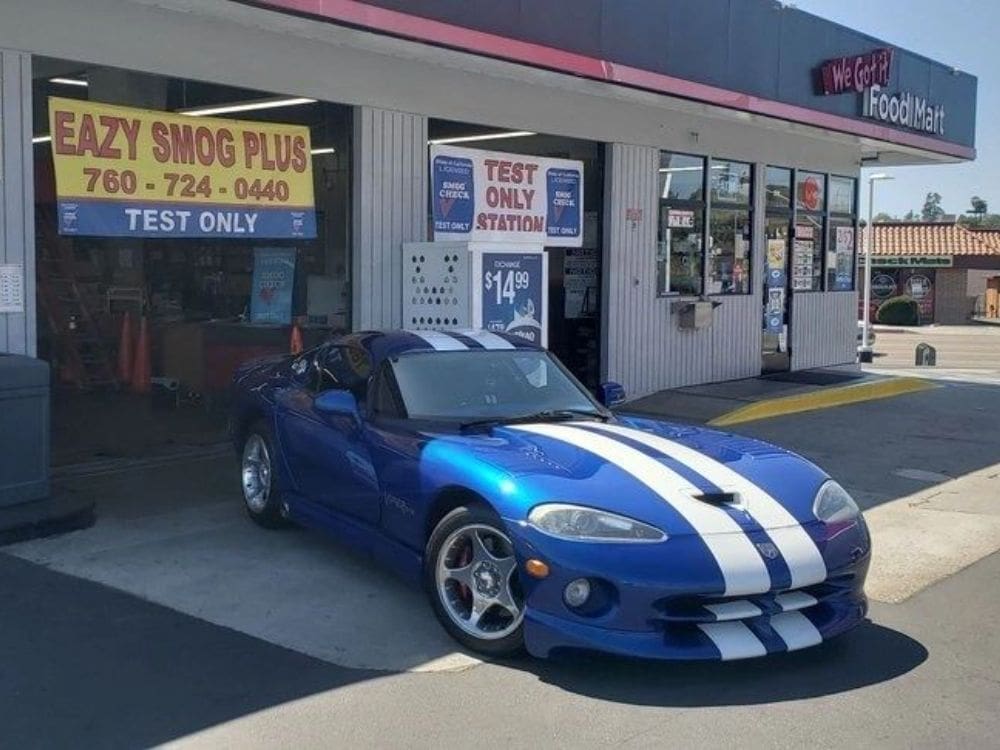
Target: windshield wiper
[(548, 415)]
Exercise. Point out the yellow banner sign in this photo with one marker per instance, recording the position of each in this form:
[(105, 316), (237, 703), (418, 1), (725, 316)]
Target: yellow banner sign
[(131, 172)]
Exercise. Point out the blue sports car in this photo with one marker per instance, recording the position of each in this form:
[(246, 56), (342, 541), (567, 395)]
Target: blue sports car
[(475, 463)]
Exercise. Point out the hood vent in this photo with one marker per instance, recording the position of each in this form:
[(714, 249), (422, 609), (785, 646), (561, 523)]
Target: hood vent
[(719, 498)]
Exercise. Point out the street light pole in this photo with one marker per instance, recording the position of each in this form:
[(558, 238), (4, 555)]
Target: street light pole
[(866, 347)]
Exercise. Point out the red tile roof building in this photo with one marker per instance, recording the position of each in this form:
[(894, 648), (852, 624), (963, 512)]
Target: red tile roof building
[(945, 266), (929, 238)]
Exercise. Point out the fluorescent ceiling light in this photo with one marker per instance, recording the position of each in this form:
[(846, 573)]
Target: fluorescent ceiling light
[(41, 139), (69, 81), (671, 170), (223, 109), (483, 137), (324, 150)]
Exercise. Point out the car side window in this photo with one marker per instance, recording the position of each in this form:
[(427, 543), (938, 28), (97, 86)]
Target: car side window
[(386, 401), (345, 368)]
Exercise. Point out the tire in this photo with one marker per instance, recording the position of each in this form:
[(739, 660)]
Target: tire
[(260, 492), (474, 588)]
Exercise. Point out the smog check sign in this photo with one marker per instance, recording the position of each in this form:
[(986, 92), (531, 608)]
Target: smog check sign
[(124, 172), (499, 197), (869, 75)]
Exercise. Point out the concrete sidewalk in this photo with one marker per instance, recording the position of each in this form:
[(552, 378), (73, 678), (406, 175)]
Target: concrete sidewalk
[(738, 401), (974, 347)]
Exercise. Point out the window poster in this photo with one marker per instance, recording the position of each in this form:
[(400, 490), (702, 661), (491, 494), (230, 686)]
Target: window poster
[(919, 285), (11, 288), (273, 284), (679, 219), (802, 265), (776, 249), (844, 261), (580, 282)]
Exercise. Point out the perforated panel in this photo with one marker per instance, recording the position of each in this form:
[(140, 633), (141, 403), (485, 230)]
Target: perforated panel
[(436, 286)]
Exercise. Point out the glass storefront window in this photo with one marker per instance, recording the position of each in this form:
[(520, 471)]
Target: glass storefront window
[(729, 236), (841, 195), (778, 186), (680, 251), (682, 177), (730, 227), (730, 182), (810, 191), (680, 256)]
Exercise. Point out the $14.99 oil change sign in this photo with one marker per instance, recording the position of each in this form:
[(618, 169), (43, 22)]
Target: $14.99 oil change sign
[(497, 197)]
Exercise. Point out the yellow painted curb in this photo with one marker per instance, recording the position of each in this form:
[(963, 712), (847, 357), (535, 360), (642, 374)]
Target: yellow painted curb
[(823, 399)]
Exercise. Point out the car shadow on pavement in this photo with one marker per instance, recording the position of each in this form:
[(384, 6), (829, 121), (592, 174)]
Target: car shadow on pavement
[(83, 665), (866, 656)]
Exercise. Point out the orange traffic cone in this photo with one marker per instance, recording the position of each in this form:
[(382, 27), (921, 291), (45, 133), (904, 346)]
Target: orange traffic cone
[(143, 360), (125, 354), (295, 345)]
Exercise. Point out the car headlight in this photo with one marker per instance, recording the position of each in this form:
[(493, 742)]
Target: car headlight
[(834, 504), (590, 525)]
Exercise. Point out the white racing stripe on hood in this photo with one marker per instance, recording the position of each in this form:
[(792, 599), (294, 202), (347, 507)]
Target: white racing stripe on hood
[(488, 339), (734, 640), (442, 342), (793, 542), (742, 568)]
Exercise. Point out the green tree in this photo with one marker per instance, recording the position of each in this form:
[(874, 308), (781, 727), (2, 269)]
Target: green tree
[(884, 218), (911, 215), (932, 210), (986, 221), (979, 208)]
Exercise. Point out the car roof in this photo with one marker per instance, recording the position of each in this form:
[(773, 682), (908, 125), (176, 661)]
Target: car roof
[(393, 343)]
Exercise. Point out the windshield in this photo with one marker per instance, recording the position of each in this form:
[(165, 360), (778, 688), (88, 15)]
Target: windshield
[(486, 384)]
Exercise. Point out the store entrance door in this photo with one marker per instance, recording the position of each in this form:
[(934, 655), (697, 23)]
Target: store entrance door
[(776, 318)]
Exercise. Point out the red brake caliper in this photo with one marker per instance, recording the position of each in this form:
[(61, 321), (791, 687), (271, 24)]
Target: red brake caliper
[(463, 560)]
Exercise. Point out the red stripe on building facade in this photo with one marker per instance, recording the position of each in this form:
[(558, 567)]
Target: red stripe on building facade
[(443, 34)]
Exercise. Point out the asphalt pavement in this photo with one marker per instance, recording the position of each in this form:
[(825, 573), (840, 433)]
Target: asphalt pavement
[(173, 620), (82, 665)]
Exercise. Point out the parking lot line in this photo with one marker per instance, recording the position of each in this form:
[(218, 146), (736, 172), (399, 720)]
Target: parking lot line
[(825, 398)]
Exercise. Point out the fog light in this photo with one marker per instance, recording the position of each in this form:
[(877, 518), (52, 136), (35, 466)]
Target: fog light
[(577, 592)]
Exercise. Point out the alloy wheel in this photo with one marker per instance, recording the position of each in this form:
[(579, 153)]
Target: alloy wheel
[(477, 582), (256, 473)]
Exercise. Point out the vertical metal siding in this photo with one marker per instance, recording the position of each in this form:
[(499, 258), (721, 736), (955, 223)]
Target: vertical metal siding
[(824, 331), (17, 201), (631, 307), (388, 208), (643, 348)]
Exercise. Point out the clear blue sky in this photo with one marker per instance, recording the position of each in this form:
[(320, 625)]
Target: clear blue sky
[(959, 33)]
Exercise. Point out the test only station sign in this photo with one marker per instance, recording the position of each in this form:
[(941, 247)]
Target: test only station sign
[(125, 172), (497, 197), (513, 293)]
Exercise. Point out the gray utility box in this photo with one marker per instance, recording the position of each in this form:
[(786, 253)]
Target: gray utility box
[(24, 429)]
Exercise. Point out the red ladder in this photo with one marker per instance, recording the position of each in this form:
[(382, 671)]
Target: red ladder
[(82, 352)]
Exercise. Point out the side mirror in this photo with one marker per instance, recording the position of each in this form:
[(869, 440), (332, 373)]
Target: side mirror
[(610, 394), (337, 402)]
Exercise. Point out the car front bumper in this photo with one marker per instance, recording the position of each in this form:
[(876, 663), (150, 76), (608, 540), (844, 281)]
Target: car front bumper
[(654, 607), (744, 638)]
